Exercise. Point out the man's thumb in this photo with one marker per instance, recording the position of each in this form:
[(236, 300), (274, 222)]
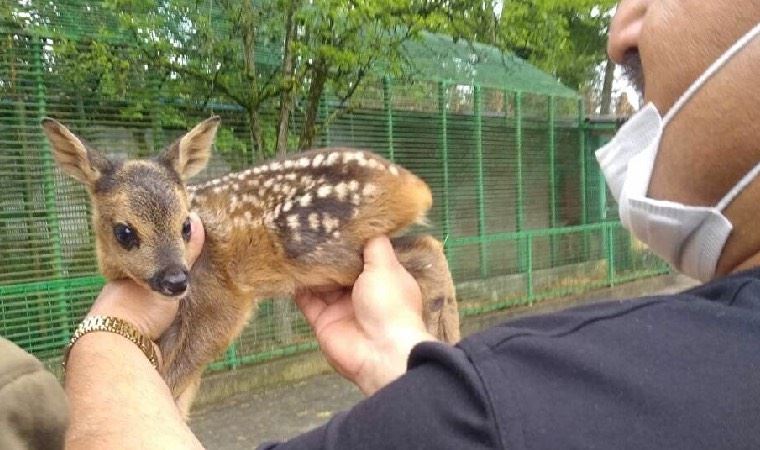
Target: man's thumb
[(378, 253), (197, 237)]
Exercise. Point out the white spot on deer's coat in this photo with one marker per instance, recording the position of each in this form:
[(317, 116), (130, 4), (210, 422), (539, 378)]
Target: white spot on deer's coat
[(314, 221), (356, 199), (305, 200), (288, 164), (372, 164), (256, 171), (353, 185), (293, 222), (304, 162), (217, 190), (269, 182), (275, 166), (369, 189), (341, 190), (324, 191), (330, 223), (287, 206), (393, 170), (332, 158), (291, 176), (248, 216), (317, 161), (215, 181)]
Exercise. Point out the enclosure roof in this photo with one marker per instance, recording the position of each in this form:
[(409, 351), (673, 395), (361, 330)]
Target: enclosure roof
[(438, 57)]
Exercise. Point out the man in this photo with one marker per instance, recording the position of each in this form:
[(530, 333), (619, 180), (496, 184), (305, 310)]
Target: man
[(670, 372)]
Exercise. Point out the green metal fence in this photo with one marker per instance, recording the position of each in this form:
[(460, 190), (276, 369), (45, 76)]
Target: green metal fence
[(518, 198)]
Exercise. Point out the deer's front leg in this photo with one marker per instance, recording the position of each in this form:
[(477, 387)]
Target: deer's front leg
[(203, 329), (423, 258)]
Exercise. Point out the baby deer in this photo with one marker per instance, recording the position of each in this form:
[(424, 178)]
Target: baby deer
[(297, 222)]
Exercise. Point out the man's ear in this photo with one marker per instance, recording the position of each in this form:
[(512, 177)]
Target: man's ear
[(74, 158), (189, 154)]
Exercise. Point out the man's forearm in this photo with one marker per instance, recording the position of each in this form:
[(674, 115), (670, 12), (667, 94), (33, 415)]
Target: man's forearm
[(118, 400)]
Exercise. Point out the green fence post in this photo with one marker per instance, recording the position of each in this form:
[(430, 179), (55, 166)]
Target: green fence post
[(610, 247), (323, 115), (444, 144), (51, 207), (155, 120), (388, 106), (529, 268), (231, 357), (481, 180), (584, 188), (552, 180), (519, 184), (602, 186)]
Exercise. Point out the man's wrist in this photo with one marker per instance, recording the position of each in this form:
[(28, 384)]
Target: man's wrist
[(393, 358), (118, 326)]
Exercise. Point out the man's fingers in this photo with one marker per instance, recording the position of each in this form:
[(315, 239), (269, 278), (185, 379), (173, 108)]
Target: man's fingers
[(310, 305), (197, 237), (378, 253)]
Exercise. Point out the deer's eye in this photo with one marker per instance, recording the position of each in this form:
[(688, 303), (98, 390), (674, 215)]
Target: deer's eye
[(126, 236), (186, 230)]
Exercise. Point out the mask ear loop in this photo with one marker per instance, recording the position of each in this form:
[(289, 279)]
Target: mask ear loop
[(738, 188), (710, 72)]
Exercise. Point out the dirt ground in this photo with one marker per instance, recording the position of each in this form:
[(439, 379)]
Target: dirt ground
[(247, 420)]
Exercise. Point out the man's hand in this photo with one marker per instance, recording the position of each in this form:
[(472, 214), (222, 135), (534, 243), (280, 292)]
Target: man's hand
[(148, 311), (367, 334)]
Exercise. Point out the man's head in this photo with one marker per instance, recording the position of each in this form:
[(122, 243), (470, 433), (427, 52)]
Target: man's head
[(715, 140)]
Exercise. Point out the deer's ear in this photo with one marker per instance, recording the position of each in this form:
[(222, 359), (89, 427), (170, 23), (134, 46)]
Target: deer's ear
[(74, 158), (189, 154)]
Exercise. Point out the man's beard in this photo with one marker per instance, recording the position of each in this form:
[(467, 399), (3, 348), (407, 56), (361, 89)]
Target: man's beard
[(633, 71)]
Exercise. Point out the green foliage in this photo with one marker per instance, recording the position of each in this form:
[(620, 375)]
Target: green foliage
[(563, 37)]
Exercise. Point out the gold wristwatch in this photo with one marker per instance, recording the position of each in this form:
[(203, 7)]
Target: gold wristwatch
[(113, 325)]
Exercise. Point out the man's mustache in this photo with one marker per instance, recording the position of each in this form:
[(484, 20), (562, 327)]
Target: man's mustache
[(633, 71)]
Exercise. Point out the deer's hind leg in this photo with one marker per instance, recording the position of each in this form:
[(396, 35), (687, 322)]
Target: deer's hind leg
[(423, 258)]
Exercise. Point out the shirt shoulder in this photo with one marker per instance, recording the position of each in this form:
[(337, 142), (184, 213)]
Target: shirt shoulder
[(655, 372)]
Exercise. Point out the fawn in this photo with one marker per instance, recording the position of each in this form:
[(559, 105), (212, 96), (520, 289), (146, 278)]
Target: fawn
[(296, 222)]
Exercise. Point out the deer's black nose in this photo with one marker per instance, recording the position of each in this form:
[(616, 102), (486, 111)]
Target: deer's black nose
[(170, 281)]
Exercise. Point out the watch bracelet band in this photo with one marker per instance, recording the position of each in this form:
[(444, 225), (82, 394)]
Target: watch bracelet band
[(113, 325)]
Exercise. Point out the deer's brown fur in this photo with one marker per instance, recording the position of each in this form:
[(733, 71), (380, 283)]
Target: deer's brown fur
[(296, 222)]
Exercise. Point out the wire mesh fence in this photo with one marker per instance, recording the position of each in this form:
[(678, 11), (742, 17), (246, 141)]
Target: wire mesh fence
[(519, 200)]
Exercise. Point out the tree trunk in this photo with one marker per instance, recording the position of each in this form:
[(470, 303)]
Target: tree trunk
[(317, 87), (286, 96), (257, 138), (609, 77)]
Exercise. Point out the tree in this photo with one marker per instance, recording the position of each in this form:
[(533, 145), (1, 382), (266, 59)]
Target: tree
[(255, 54), (563, 37)]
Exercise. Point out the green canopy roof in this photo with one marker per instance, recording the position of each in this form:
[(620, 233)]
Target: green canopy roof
[(437, 57)]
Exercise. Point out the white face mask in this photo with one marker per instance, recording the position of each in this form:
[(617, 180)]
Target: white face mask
[(691, 238)]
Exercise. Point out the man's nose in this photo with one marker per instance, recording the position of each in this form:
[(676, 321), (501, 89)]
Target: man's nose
[(625, 29)]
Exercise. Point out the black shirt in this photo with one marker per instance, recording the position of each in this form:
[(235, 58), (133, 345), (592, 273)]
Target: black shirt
[(676, 372)]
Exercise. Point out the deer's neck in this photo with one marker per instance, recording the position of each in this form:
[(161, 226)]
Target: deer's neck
[(242, 251)]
